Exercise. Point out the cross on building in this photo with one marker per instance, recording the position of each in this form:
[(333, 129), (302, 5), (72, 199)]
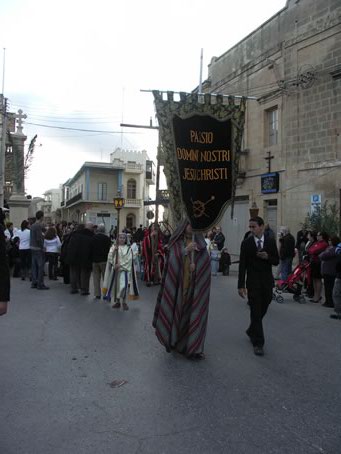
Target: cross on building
[(20, 117), (268, 158)]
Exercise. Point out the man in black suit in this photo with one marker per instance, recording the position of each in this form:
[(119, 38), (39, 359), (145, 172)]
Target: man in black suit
[(258, 253)]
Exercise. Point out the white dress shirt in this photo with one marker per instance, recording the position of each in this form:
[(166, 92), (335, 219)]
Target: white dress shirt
[(261, 241)]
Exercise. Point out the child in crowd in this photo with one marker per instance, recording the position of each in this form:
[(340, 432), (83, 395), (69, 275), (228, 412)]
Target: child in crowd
[(215, 257), (225, 262), (52, 245), (14, 257)]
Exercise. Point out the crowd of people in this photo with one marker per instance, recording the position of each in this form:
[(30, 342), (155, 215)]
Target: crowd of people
[(180, 263), (322, 251)]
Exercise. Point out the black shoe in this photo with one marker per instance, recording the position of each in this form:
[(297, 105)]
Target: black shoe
[(85, 293), (73, 292), (197, 356), (335, 316), (328, 305), (316, 301), (34, 286), (97, 297), (258, 351), (43, 287)]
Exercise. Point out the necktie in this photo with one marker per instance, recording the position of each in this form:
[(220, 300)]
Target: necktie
[(259, 245)]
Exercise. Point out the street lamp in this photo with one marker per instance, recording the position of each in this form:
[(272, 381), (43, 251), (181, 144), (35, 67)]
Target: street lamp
[(119, 204)]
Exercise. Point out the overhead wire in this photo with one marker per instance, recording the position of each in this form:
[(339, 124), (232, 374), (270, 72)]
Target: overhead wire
[(69, 120), (42, 108), (62, 116), (253, 90), (80, 129)]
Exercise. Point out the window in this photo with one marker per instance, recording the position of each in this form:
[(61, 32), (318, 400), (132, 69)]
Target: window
[(130, 221), (131, 189), (102, 191), (272, 126)]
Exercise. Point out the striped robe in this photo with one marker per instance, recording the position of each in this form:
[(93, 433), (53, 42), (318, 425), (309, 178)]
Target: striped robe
[(180, 316)]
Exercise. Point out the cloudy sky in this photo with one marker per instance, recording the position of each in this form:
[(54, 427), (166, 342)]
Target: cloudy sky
[(79, 64)]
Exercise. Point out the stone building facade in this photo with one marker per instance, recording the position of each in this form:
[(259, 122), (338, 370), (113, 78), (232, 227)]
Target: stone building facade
[(88, 195), (9, 164), (291, 67)]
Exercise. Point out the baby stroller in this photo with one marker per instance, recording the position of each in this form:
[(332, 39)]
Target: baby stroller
[(294, 283)]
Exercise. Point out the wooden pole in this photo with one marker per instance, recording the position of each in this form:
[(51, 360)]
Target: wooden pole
[(116, 256), (157, 180)]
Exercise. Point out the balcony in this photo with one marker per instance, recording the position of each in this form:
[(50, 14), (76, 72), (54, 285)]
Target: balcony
[(133, 167), (150, 177), (130, 167), (133, 203), (74, 199)]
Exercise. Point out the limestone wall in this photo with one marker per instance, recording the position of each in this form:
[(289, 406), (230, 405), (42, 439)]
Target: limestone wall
[(291, 63)]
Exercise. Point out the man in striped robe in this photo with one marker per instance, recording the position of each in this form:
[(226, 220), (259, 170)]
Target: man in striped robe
[(181, 312)]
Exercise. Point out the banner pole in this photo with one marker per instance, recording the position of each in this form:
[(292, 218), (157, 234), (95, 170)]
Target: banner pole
[(192, 253), (212, 94), (3, 71), (200, 76)]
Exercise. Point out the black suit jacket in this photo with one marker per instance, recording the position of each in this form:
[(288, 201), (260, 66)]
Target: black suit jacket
[(257, 271)]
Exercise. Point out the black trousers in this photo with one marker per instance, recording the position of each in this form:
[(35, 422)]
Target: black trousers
[(52, 258), (259, 297), (329, 281), (79, 278), (25, 262)]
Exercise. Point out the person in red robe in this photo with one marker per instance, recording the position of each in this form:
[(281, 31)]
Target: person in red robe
[(152, 255)]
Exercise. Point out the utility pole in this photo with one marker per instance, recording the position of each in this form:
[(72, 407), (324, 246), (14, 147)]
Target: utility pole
[(3, 149), (3, 133), (158, 155)]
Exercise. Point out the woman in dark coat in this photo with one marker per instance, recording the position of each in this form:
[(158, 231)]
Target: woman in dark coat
[(329, 261), (79, 258), (314, 251), (4, 269)]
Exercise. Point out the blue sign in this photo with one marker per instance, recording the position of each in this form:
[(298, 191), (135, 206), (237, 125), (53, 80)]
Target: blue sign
[(270, 183), (316, 198)]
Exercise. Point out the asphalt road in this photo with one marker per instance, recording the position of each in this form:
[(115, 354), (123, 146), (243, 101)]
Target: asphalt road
[(60, 353)]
